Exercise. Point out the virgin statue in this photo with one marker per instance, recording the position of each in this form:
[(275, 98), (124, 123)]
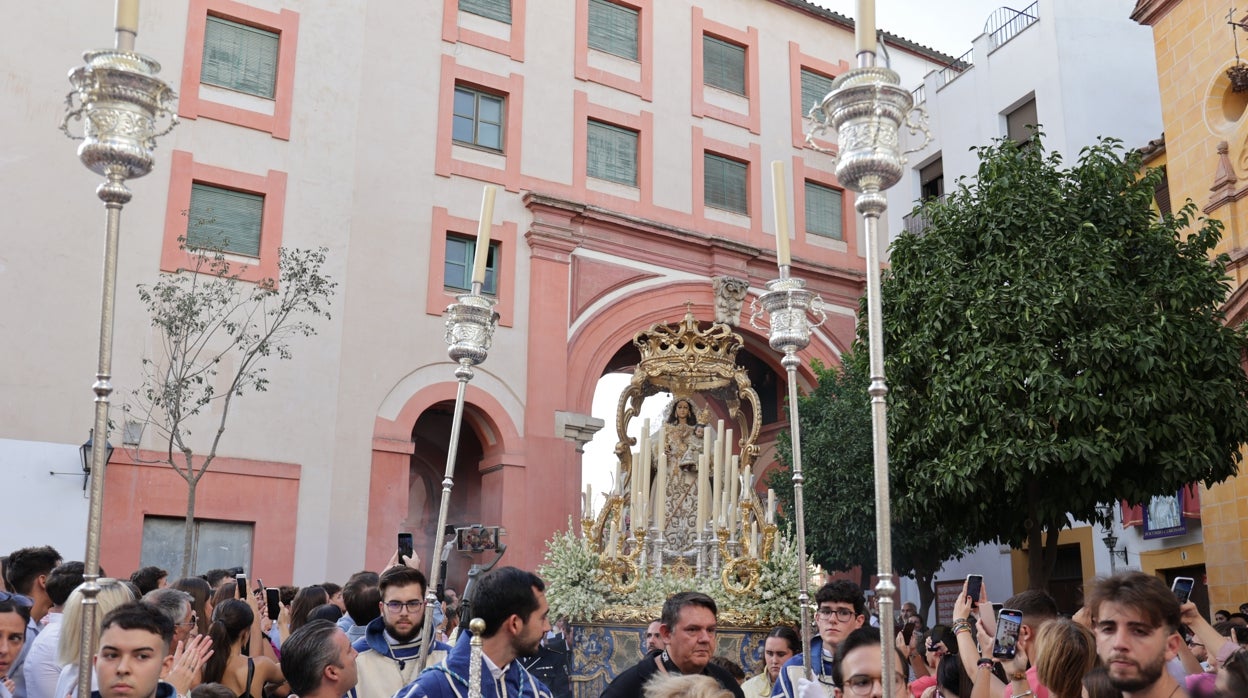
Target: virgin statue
[(683, 442)]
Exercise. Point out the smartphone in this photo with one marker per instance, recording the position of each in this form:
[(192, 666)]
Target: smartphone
[(273, 602), (1006, 642), (907, 631), (974, 587), (240, 580), (405, 546), (1182, 588)]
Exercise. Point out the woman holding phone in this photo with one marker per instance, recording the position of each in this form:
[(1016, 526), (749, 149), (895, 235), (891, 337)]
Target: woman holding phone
[(235, 623)]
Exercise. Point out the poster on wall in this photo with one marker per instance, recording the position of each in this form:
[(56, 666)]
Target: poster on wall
[(1163, 517)]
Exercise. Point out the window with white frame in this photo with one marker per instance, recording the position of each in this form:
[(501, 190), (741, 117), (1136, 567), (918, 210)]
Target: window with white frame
[(478, 118)]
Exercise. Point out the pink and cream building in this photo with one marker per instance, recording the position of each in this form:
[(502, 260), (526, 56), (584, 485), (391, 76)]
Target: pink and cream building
[(630, 141)]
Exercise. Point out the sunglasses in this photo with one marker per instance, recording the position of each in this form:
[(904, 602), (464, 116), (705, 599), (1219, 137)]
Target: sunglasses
[(18, 599)]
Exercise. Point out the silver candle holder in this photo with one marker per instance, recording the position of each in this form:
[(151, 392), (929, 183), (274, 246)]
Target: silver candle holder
[(470, 326), (866, 109), (121, 104), (789, 305)]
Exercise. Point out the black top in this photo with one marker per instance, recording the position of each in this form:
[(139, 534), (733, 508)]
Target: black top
[(630, 683), (551, 665)]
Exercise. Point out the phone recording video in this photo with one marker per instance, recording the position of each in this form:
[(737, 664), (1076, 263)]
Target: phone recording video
[(974, 587), (273, 602), (1005, 644), (1182, 588), (405, 546), (240, 581)]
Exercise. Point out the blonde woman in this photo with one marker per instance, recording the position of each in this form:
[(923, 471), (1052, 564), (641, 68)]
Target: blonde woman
[(1065, 653), (685, 686), (112, 594)]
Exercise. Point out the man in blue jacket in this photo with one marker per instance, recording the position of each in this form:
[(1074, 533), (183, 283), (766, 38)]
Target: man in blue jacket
[(841, 609), (513, 605), (390, 648)]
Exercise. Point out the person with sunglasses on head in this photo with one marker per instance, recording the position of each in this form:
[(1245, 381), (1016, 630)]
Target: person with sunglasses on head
[(14, 614), (841, 608), (390, 648)]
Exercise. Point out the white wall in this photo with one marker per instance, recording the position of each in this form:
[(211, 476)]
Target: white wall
[(41, 508)]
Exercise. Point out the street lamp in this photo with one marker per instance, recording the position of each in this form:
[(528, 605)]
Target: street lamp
[(1105, 513), (85, 451)]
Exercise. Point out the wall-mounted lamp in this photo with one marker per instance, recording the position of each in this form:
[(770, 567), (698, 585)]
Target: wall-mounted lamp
[(1105, 513)]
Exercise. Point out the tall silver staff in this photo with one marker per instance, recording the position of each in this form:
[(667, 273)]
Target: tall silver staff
[(470, 327), (119, 101), (787, 303), (866, 108)]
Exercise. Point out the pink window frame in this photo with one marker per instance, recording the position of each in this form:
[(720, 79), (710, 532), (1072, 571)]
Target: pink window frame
[(192, 105), (642, 123), (512, 47), (184, 172), (644, 87), (747, 38), (751, 155), (798, 61), (437, 297), (512, 88)]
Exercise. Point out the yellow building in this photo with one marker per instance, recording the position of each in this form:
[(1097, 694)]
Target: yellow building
[(1206, 160)]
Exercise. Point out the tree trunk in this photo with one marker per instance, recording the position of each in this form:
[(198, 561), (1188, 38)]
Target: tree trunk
[(927, 594), (188, 533), (1036, 577)]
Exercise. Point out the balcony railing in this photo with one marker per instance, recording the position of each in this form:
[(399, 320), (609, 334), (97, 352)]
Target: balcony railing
[(1006, 23), (916, 223), (960, 65)]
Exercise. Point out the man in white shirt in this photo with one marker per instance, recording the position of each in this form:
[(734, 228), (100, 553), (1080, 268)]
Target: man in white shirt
[(42, 668)]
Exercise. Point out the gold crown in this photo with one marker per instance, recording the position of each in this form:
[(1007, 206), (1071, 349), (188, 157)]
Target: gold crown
[(685, 359)]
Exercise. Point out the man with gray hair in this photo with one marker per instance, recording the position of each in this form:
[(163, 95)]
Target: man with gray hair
[(318, 661), (177, 606)]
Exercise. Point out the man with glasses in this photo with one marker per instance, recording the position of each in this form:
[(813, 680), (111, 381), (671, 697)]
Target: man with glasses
[(841, 609), (858, 671), (390, 648)]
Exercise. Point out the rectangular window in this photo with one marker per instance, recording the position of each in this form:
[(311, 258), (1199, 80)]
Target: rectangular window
[(613, 29), (723, 65), (823, 211), (240, 57), (1018, 123), (478, 119), (1162, 193), (457, 270), (724, 183), (932, 180), (814, 88), (215, 544), (224, 219), (499, 10), (612, 153)]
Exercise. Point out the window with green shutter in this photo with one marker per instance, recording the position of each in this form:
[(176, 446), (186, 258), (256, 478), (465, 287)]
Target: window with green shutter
[(612, 153), (814, 88), (724, 184), (478, 119), (224, 219), (457, 269), (239, 57), (499, 10), (613, 28), (723, 64), (823, 211)]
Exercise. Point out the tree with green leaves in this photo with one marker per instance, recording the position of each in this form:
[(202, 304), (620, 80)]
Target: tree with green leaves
[(839, 487), (1052, 343), (209, 320)]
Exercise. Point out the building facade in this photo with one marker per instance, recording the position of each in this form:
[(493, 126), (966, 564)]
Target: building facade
[(629, 140), (1205, 151)]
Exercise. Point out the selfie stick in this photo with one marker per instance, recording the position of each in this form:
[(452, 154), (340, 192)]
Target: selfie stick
[(866, 109), (470, 327)]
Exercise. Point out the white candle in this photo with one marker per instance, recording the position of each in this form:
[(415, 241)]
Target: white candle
[(483, 234), (864, 26), (771, 506), (126, 23), (589, 502), (614, 540), (753, 539), (660, 509), (644, 483), (703, 482), (780, 199)]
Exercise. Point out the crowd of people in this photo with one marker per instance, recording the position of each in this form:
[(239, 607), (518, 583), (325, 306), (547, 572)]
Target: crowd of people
[(200, 638)]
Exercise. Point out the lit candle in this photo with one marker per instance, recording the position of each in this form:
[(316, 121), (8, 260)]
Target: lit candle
[(483, 234), (771, 506), (780, 199), (127, 23), (864, 26)]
